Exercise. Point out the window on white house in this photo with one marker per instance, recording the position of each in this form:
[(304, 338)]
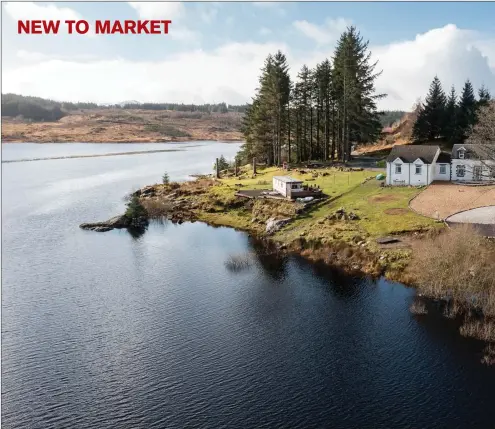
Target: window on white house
[(418, 169), (460, 170), (460, 153), (398, 169), (443, 169)]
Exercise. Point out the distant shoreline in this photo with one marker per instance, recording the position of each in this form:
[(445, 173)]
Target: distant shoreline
[(9, 141)]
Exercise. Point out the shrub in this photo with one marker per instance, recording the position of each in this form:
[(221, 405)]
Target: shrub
[(135, 209), (165, 179), (222, 164), (157, 208), (458, 264)]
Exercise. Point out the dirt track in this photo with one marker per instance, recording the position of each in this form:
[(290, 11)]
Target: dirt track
[(445, 199)]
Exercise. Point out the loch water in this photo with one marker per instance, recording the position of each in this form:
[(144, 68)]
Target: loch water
[(113, 330)]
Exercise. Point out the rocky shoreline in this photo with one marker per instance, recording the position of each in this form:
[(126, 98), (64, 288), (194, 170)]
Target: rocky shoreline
[(215, 203), (116, 222)]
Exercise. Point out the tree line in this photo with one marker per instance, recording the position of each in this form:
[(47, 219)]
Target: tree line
[(448, 117), (38, 109), (390, 117), (321, 113), (180, 107), (41, 109)]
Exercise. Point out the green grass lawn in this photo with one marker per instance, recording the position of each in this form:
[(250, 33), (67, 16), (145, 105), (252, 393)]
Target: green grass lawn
[(381, 210)]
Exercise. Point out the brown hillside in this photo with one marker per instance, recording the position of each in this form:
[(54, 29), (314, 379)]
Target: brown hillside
[(398, 134), (126, 126)]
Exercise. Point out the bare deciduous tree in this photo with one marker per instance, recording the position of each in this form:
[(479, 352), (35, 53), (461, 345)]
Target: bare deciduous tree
[(483, 135)]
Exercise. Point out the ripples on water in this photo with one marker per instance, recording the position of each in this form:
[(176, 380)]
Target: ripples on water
[(110, 330)]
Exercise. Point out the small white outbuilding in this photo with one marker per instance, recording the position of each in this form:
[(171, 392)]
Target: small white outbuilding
[(285, 185)]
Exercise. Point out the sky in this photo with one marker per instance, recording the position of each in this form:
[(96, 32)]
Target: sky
[(214, 50)]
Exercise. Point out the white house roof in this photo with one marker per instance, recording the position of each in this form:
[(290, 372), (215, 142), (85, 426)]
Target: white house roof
[(287, 179)]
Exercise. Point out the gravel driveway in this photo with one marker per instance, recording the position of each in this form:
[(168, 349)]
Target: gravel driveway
[(445, 199)]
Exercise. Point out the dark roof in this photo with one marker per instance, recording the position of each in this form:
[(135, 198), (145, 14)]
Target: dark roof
[(410, 153), (475, 151), (443, 158)]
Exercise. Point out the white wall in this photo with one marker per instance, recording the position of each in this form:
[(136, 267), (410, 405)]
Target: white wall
[(439, 176), (280, 187), (408, 174), (421, 179), (397, 179), (469, 164)]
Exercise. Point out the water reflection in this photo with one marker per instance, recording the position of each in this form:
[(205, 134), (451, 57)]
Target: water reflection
[(136, 232), (273, 263)]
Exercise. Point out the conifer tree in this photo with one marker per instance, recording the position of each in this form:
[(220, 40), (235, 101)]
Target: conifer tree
[(326, 109), (434, 110), (484, 96), (450, 125), (467, 110), (420, 132)]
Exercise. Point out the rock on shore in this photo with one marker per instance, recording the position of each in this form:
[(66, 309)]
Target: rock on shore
[(115, 222)]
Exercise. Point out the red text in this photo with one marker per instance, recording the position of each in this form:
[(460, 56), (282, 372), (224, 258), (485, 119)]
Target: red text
[(133, 27), (37, 26)]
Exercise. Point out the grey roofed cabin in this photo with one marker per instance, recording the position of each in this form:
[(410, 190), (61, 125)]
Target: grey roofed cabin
[(410, 153)]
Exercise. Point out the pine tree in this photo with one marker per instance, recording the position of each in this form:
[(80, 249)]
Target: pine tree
[(420, 132), (484, 96), (354, 79), (450, 126), (281, 80), (325, 110), (467, 111), (434, 110)]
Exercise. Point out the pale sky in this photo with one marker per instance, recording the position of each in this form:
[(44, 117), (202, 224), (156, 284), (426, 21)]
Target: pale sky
[(215, 50)]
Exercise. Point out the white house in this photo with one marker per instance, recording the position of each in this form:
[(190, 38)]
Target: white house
[(473, 163), (417, 165), (286, 185)]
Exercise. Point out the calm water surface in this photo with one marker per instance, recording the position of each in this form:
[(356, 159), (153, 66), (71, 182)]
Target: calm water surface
[(106, 330)]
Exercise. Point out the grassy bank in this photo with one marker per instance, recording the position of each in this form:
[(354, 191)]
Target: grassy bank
[(316, 231), (454, 267)]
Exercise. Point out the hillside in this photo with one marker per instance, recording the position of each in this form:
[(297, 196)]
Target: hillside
[(398, 133), (38, 120), (116, 125)]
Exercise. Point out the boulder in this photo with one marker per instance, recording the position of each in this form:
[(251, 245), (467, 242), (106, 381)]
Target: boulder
[(114, 222), (387, 240), (273, 225)]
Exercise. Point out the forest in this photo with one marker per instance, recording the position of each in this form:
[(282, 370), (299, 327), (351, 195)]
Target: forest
[(321, 113), (448, 118), (39, 109)]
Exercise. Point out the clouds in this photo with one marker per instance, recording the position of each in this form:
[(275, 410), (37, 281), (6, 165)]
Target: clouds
[(227, 71), (449, 52), (175, 11), (158, 10), (32, 11), (323, 34)]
